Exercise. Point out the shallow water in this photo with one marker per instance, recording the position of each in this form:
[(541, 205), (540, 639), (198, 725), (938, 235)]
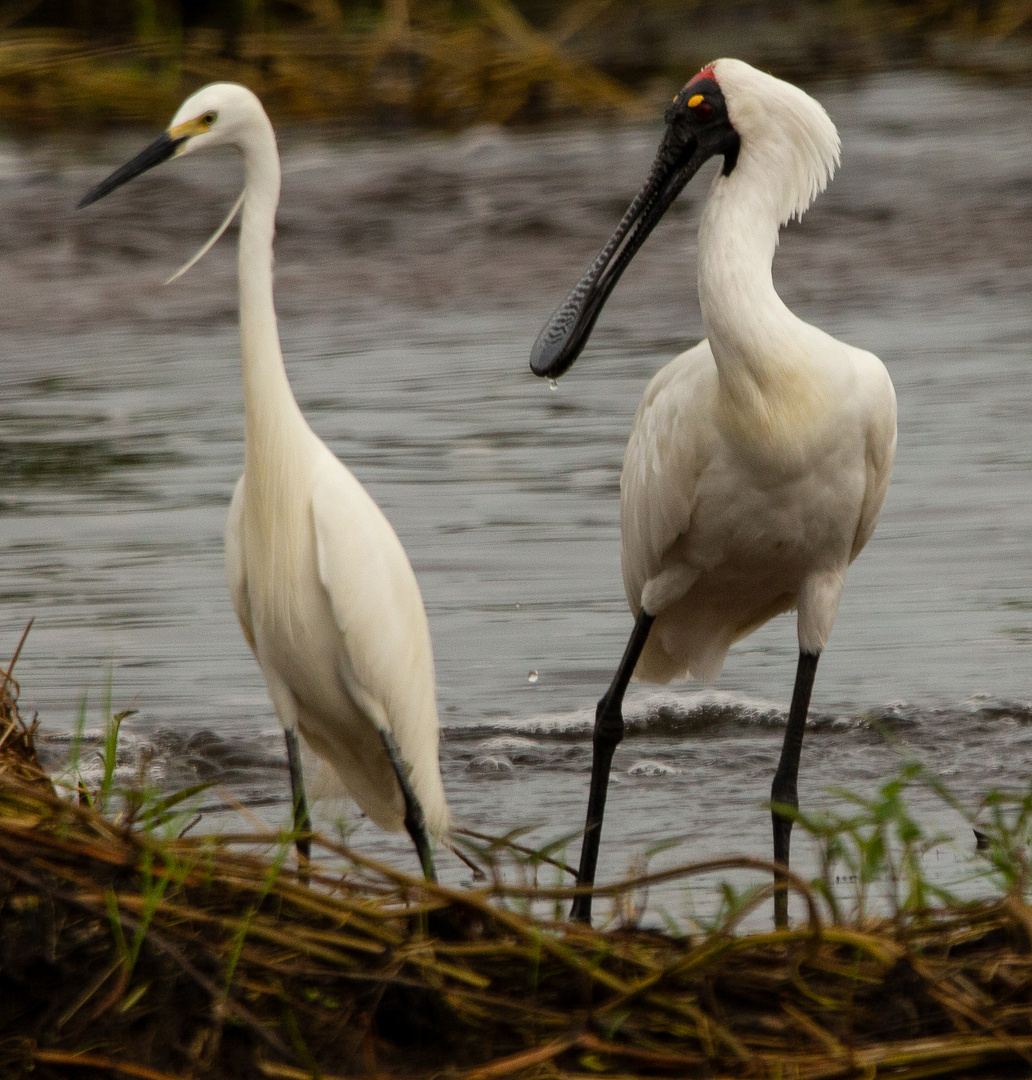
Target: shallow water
[(413, 275)]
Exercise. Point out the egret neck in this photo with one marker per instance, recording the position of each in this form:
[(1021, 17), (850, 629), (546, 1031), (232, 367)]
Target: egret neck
[(278, 439)]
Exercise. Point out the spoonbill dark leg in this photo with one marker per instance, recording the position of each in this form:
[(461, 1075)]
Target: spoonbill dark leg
[(609, 729), (784, 789), (302, 820), (415, 820)]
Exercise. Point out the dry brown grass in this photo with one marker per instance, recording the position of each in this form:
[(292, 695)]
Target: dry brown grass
[(123, 953), (454, 62), (422, 66)]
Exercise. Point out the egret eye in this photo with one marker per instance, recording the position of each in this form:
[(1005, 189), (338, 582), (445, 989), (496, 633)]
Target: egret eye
[(209, 118)]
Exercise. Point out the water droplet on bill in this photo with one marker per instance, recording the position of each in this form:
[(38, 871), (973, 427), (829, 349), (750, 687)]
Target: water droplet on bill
[(532, 676)]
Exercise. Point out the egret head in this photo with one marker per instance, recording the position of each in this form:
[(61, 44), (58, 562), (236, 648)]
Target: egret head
[(729, 110), (215, 115)]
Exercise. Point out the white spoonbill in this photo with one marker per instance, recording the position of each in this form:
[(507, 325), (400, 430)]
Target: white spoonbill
[(320, 582), (758, 460)]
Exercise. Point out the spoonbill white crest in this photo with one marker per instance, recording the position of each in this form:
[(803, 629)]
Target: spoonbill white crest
[(320, 582), (759, 459)]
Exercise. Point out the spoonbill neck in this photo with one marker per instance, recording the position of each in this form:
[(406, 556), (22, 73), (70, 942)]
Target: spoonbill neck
[(269, 405), (753, 335)]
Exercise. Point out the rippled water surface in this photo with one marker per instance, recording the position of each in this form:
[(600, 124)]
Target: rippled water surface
[(413, 275)]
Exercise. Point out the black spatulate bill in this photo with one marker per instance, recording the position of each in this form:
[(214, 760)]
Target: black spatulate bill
[(694, 134)]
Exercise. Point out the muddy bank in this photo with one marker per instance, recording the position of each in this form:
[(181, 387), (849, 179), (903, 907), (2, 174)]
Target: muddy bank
[(125, 950)]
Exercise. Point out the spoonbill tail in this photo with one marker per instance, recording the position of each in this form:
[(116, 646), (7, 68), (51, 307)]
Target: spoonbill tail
[(320, 582), (759, 459)]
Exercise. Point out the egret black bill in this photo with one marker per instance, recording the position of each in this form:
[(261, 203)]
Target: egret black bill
[(160, 150), (698, 128)]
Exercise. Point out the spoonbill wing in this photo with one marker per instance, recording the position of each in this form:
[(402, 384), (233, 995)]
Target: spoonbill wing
[(881, 451), (667, 453)]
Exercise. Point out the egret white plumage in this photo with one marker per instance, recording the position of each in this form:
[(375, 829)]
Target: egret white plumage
[(322, 587), (758, 460)]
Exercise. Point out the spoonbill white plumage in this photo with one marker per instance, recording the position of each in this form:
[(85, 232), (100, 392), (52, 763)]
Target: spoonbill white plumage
[(759, 459), (320, 582)]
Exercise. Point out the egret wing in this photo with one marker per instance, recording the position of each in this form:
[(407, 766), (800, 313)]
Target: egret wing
[(236, 577), (386, 658)]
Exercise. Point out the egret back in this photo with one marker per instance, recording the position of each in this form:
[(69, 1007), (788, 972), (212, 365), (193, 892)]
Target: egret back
[(386, 654)]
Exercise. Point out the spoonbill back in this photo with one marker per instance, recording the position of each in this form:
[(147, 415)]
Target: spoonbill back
[(324, 592), (758, 460)]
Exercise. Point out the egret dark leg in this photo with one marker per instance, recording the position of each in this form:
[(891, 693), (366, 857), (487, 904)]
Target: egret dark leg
[(609, 729), (302, 821), (415, 822), (415, 825), (784, 789)]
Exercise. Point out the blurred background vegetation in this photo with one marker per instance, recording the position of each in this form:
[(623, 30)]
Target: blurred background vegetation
[(450, 63)]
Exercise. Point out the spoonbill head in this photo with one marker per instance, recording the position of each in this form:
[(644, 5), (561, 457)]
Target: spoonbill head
[(758, 460), (322, 587)]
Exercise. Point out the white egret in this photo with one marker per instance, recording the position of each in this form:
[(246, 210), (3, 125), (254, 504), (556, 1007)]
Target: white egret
[(320, 582), (759, 459)]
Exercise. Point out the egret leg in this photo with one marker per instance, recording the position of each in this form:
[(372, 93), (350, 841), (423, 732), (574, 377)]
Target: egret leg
[(609, 729), (302, 820), (784, 789), (415, 822)]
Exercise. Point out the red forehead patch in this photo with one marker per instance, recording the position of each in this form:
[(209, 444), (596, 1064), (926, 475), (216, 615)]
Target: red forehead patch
[(706, 73)]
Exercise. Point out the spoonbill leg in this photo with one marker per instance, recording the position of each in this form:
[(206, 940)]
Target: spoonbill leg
[(609, 729), (783, 791)]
